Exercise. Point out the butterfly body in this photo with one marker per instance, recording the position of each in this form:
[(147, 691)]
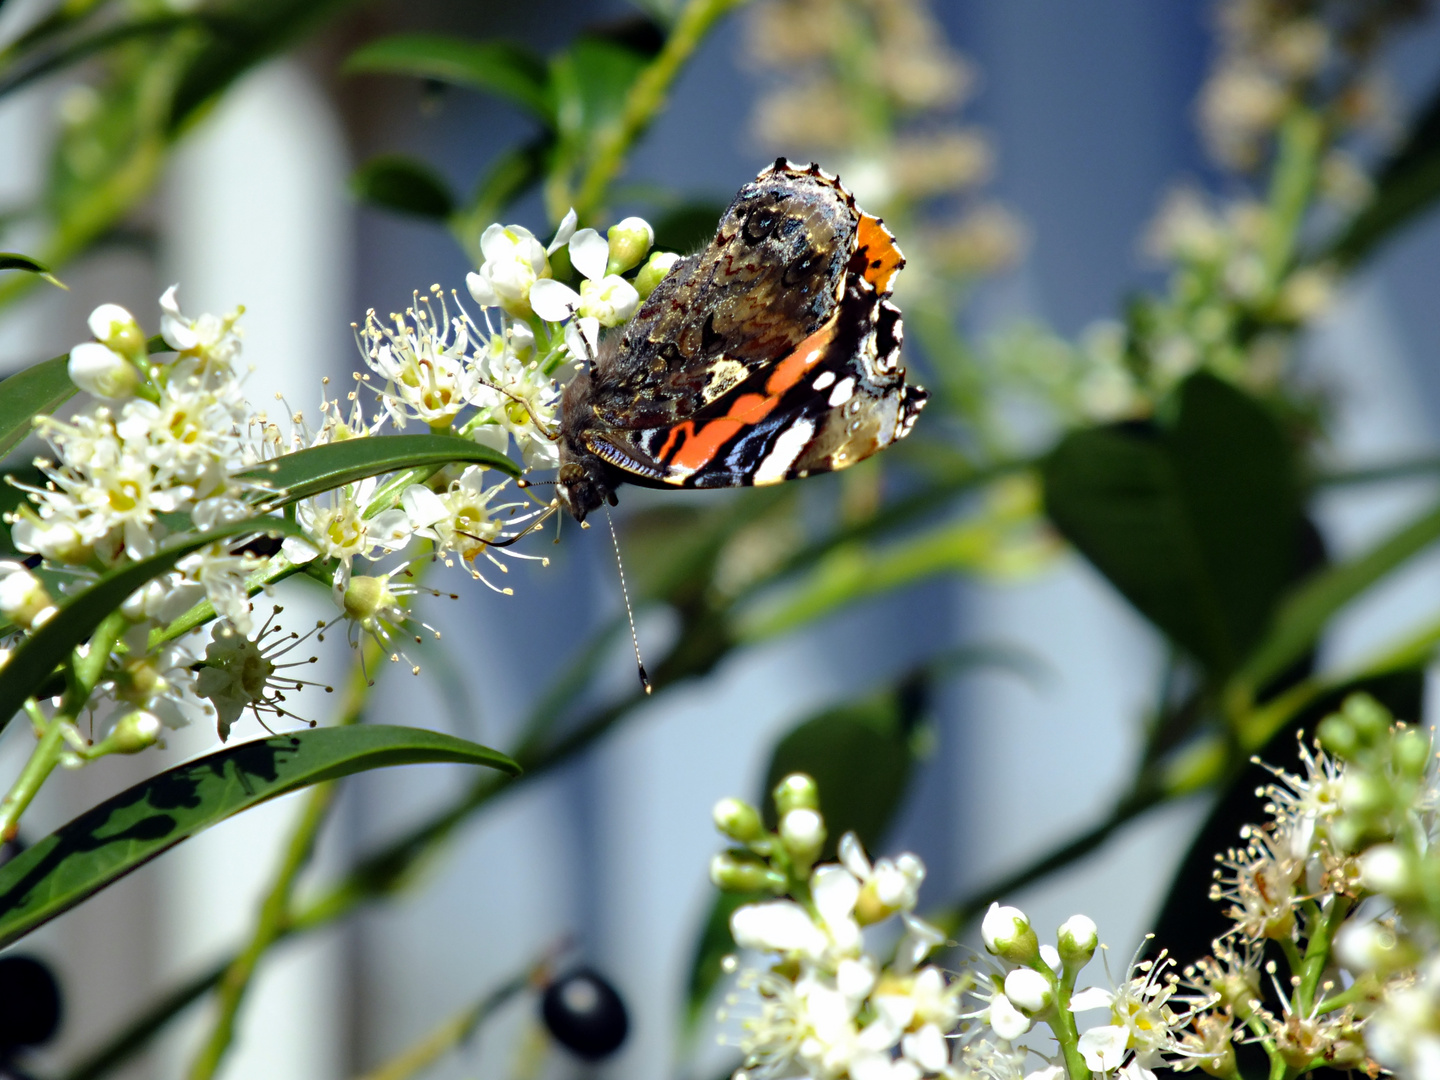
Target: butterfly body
[(771, 355)]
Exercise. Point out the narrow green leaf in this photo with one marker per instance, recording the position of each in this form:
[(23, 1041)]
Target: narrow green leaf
[(323, 468), (123, 833), (1197, 522), (501, 68), (405, 185), (1305, 612), (10, 260), (41, 388), (31, 664)]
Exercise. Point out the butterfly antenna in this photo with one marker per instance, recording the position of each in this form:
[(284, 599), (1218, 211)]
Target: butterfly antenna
[(629, 612)]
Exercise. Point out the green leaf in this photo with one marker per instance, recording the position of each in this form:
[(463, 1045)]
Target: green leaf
[(1406, 186), (31, 664), (405, 185), (591, 80), (42, 388), (1198, 523), (506, 70), (10, 260), (123, 833), (1308, 609), (322, 468), (510, 176)]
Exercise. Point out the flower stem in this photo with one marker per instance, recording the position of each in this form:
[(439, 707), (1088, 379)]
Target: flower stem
[(1063, 1026), (43, 760), (456, 1029), (646, 98), (273, 920)]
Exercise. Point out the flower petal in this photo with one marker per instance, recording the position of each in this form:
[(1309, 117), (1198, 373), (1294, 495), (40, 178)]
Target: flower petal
[(1095, 997), (589, 253), (564, 232), (552, 300)]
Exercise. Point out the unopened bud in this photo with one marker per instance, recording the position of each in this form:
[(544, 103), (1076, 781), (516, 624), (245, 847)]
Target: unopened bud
[(1362, 793), (1029, 991), (23, 599), (735, 871), (1373, 946), (1077, 938), (112, 325), (630, 240), (796, 792), (1337, 736), (134, 732), (1411, 752), (803, 832), (1385, 869), (102, 372), (738, 820), (1369, 718), (654, 271), (1007, 934)]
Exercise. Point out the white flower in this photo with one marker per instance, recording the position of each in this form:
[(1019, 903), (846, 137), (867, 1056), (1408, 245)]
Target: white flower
[(777, 926), (890, 885), (603, 300), (208, 339), (102, 372), (523, 400), (111, 323), (1140, 1016), (1005, 1020), (462, 519), (514, 261), (423, 359), (1027, 989), (339, 529), (239, 673)]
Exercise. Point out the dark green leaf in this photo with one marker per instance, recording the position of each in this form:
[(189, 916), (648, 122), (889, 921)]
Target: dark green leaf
[(32, 663), (123, 833), (81, 48), (510, 176), (1309, 608), (508, 71), (404, 185), (1407, 185), (688, 227), (322, 468), (10, 260), (27, 394), (1197, 523)]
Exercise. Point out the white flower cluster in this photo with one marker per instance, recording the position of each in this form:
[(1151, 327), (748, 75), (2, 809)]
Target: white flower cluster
[(828, 1006), (155, 453)]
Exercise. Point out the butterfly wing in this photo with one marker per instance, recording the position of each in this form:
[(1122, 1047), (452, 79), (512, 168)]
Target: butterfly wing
[(835, 399)]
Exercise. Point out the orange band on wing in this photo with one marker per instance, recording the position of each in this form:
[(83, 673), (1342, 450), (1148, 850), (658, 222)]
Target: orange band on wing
[(700, 447), (882, 258)]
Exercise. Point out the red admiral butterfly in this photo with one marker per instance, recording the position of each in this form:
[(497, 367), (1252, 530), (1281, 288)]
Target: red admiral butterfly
[(771, 355)]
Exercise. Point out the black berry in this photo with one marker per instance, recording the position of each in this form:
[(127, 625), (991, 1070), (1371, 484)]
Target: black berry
[(29, 1003), (585, 1014)]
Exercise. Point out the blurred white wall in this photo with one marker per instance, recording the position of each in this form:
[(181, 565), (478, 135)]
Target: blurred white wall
[(254, 211)]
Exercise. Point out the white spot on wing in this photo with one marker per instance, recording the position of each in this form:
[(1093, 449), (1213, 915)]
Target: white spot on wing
[(824, 379), (843, 392), (783, 454)]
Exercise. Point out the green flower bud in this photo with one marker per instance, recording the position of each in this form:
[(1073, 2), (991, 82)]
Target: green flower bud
[(630, 240), (654, 271), (796, 792), (738, 820), (1370, 719), (1077, 939), (739, 871), (803, 833), (1337, 736), (1007, 934), (1411, 752), (134, 732)]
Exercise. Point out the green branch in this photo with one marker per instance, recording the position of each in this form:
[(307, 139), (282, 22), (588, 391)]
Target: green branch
[(645, 100)]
